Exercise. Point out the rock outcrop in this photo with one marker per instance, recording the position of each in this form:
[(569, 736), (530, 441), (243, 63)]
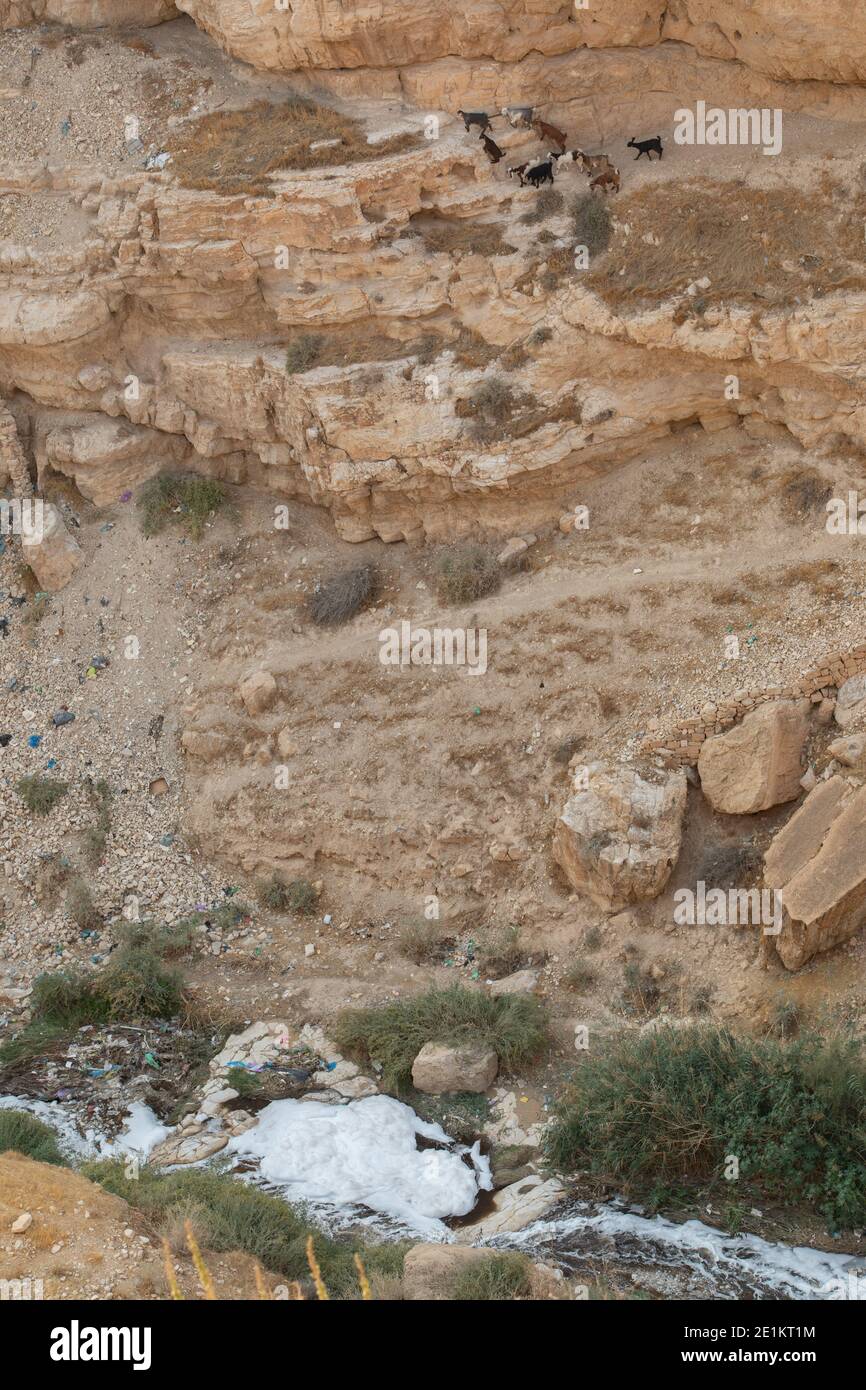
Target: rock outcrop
[(817, 862), (619, 840), (757, 764), (55, 558), (85, 14), (771, 37), (850, 709), (430, 1273)]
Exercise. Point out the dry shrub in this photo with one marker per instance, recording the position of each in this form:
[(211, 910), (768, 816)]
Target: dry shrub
[(453, 234), (742, 239), (236, 151), (467, 572), (497, 410), (471, 350), (339, 598), (358, 342), (548, 202)]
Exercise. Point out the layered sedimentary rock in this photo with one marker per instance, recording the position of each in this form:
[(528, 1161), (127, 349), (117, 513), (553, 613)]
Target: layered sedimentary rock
[(619, 840), (817, 862), (85, 14), (771, 36), (169, 318)]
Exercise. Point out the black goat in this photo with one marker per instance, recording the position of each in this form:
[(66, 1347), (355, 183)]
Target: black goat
[(540, 173), (479, 118), (491, 149), (516, 171), (646, 146)]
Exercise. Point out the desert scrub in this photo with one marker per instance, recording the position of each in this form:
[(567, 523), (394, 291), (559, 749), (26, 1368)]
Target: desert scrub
[(423, 943), (336, 600), (135, 983), (393, 1034), (80, 905), (467, 572), (496, 410), (548, 201), (95, 837), (239, 151), (24, 1134), (667, 1107), (230, 1215), (179, 498), (302, 352), (501, 952), (298, 896), (496, 1278), (579, 977), (41, 794), (591, 223)]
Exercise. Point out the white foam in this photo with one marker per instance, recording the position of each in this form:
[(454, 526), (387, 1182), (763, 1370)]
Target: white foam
[(365, 1154), (141, 1133), (720, 1261)]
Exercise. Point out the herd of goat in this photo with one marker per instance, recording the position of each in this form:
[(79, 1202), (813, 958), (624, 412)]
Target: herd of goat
[(603, 176)]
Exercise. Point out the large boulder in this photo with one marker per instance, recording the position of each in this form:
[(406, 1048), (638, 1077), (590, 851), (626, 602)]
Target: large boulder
[(56, 557), (430, 1272), (515, 1207), (441, 1068), (817, 862), (850, 710), (618, 840), (756, 764)]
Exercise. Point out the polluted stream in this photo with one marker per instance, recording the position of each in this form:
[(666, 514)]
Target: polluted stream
[(375, 1163)]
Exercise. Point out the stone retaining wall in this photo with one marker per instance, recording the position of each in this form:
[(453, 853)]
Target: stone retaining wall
[(683, 744)]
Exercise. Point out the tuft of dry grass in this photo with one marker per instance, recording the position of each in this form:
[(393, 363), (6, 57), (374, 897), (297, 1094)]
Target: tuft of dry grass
[(761, 246), (462, 234), (236, 151)]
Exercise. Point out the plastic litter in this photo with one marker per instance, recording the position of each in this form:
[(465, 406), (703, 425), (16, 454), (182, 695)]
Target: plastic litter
[(63, 716), (34, 740)]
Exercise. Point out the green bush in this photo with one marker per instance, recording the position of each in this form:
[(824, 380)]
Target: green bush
[(298, 896), (25, 1134), (393, 1034), (497, 1278), (67, 999), (670, 1106), (231, 1215), (41, 794), (135, 983), (184, 498), (466, 573)]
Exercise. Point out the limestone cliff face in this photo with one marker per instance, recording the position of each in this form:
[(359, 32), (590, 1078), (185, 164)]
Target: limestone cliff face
[(85, 14), (780, 38), (160, 342)]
